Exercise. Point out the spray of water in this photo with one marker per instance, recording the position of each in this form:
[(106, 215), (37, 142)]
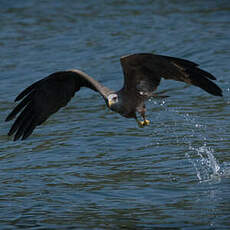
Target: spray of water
[(207, 167)]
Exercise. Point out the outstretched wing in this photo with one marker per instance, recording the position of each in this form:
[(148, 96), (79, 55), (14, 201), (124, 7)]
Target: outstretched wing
[(143, 73), (47, 96)]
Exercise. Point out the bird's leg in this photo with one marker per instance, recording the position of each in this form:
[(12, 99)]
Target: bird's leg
[(143, 123), (140, 123)]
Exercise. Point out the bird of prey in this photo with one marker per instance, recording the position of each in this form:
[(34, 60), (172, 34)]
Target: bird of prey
[(142, 75)]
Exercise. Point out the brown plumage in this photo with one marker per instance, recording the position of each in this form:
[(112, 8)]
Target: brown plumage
[(142, 75)]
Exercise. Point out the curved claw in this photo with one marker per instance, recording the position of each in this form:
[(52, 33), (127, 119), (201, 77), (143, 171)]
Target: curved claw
[(146, 122), (141, 124)]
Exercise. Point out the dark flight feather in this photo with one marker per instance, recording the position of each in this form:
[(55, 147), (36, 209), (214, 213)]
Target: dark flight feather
[(47, 96), (142, 75), (150, 68)]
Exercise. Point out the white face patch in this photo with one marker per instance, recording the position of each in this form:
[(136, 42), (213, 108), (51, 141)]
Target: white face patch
[(113, 98)]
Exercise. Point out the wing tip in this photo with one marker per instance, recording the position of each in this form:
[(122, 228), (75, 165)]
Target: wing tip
[(8, 118), (219, 93)]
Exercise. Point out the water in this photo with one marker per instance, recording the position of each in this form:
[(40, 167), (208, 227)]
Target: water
[(88, 168)]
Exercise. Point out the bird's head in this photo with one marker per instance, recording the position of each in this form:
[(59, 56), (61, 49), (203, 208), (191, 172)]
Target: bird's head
[(113, 101)]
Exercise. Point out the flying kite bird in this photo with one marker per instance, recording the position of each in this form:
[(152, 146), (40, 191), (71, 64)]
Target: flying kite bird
[(142, 75)]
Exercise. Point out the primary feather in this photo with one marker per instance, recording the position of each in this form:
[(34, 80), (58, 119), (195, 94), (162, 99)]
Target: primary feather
[(142, 75)]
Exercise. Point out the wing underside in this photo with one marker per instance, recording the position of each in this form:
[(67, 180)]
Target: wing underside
[(145, 72), (45, 97)]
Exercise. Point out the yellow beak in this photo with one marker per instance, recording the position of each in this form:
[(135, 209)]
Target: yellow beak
[(110, 102)]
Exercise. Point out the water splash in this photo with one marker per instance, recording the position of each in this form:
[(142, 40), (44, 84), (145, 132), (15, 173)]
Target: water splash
[(195, 139), (207, 167)]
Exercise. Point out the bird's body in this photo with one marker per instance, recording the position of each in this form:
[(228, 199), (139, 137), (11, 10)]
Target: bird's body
[(142, 75)]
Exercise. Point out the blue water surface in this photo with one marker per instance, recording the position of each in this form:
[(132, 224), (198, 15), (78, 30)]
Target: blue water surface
[(89, 168)]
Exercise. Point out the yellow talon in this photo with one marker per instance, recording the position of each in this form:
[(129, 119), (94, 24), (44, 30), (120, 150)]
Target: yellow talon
[(146, 122), (141, 124)]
